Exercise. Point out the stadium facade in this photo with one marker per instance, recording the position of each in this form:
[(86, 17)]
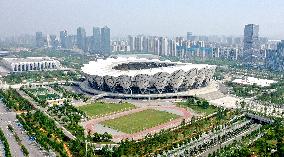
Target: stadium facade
[(30, 64), (144, 76)]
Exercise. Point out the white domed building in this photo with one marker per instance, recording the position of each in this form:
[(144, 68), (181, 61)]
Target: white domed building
[(145, 76)]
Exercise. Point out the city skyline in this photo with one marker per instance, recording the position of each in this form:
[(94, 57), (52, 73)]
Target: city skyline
[(164, 18)]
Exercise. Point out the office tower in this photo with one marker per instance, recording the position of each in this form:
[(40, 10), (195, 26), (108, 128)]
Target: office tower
[(39, 39), (63, 39), (96, 45), (89, 43), (71, 41), (105, 40), (251, 37), (131, 42), (274, 58), (53, 43), (81, 38), (251, 44), (189, 35)]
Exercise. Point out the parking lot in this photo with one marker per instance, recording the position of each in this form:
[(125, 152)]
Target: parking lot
[(34, 149)]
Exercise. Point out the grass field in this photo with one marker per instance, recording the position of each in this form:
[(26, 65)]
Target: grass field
[(101, 108), (211, 109), (139, 121)]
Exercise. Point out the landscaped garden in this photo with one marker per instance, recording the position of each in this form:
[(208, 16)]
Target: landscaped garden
[(69, 94), (41, 95), (69, 117), (199, 106), (101, 108), (139, 121)]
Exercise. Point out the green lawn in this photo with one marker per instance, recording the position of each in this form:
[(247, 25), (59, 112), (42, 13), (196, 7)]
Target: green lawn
[(139, 121), (211, 109), (101, 108)]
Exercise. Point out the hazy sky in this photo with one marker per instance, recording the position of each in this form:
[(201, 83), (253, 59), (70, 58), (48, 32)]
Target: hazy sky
[(150, 17)]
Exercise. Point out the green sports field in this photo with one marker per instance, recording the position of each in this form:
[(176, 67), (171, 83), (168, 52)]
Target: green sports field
[(102, 108), (139, 121)]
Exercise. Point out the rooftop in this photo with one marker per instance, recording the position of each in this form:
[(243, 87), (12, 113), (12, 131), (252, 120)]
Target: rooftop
[(28, 59), (253, 80), (103, 67)]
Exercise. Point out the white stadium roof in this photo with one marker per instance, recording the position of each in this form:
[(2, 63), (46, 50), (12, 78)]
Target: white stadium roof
[(103, 67)]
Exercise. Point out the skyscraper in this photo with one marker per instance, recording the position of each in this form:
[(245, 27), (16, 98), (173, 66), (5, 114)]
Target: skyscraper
[(251, 40), (131, 42), (96, 44), (53, 42), (274, 59), (81, 38), (63, 39), (105, 40), (251, 44), (39, 39)]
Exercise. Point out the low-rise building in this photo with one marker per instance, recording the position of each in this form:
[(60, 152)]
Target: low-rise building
[(30, 64)]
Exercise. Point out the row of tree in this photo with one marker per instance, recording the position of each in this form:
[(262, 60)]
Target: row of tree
[(69, 94), (5, 143), (70, 117), (12, 99), (257, 143), (19, 141), (41, 76)]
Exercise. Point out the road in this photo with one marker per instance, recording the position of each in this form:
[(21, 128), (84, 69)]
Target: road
[(8, 117)]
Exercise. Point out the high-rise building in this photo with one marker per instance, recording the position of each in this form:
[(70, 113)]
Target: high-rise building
[(164, 46), (251, 40), (96, 45), (63, 39), (39, 39), (53, 42), (138, 43), (274, 59), (145, 44), (105, 40), (251, 48), (172, 47), (131, 42), (71, 41), (81, 38), (189, 35)]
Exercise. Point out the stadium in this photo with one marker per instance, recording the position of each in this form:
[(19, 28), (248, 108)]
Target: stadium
[(146, 76)]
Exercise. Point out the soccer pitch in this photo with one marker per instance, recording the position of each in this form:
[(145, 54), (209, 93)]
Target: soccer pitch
[(98, 109), (139, 121)]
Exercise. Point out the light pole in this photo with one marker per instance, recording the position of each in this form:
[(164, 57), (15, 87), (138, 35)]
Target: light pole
[(86, 147)]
